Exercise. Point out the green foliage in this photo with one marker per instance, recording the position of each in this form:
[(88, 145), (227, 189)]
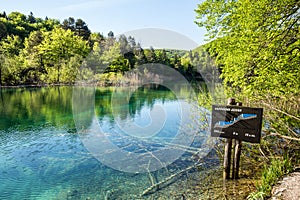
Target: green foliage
[(56, 50), (11, 45), (18, 24), (112, 52), (151, 55), (3, 30), (270, 175), (256, 196), (119, 65), (79, 27), (10, 67), (32, 58), (257, 44), (41, 55), (36, 51), (139, 55)]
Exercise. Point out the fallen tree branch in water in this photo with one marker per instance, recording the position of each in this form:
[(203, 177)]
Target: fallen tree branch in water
[(155, 187)]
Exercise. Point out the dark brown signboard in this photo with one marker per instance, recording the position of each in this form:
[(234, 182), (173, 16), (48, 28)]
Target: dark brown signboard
[(237, 122)]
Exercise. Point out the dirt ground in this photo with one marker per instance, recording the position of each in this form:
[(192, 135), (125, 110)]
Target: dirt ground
[(288, 188)]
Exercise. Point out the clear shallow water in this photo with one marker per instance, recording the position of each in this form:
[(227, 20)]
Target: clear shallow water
[(43, 157)]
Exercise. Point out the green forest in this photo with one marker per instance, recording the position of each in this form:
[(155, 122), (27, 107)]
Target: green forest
[(256, 45), (36, 51)]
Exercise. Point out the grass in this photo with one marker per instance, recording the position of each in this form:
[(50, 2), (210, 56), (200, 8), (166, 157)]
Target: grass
[(270, 175)]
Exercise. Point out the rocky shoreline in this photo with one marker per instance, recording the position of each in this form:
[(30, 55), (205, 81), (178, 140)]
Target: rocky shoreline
[(288, 188)]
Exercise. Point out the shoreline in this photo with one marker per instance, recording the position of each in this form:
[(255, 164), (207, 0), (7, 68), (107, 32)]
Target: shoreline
[(288, 187)]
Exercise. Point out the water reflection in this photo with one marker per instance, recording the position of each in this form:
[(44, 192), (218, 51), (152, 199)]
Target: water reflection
[(41, 157), (35, 107), (140, 128), (25, 107)]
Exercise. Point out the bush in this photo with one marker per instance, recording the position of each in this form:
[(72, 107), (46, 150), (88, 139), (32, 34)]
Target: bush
[(270, 175)]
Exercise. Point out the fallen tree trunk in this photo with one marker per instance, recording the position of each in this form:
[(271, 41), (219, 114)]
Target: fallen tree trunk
[(155, 187)]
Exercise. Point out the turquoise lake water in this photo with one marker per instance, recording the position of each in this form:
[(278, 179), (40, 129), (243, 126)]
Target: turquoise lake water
[(45, 154)]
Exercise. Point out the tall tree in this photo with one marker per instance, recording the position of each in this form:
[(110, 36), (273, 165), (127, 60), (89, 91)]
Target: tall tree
[(68, 24), (162, 57), (124, 44), (11, 65), (33, 62), (31, 19), (3, 30), (131, 41), (150, 55), (49, 24), (111, 53), (79, 27), (3, 15), (82, 30), (96, 38), (58, 47), (257, 44), (111, 34), (2, 66), (127, 47), (11, 45), (140, 55)]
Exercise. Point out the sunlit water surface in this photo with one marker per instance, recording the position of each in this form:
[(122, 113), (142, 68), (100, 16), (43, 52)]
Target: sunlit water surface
[(42, 156)]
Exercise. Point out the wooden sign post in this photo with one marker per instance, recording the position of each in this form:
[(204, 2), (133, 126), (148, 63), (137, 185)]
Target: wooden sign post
[(236, 155), (228, 147), (237, 123)]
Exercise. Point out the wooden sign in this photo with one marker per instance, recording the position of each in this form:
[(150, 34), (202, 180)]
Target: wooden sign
[(237, 122)]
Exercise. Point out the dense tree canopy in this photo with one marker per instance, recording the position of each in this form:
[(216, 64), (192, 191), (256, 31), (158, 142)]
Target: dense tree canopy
[(79, 27), (57, 49), (256, 43), (37, 51)]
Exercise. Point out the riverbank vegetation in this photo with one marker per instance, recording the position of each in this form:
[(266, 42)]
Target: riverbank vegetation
[(256, 46), (36, 51), (270, 175)]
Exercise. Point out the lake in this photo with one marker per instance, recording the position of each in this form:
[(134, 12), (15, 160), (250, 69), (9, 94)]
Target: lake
[(101, 143)]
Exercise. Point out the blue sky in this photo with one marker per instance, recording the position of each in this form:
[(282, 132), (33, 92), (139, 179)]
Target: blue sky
[(118, 15)]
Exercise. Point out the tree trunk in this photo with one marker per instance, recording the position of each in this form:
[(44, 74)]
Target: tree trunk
[(0, 76)]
